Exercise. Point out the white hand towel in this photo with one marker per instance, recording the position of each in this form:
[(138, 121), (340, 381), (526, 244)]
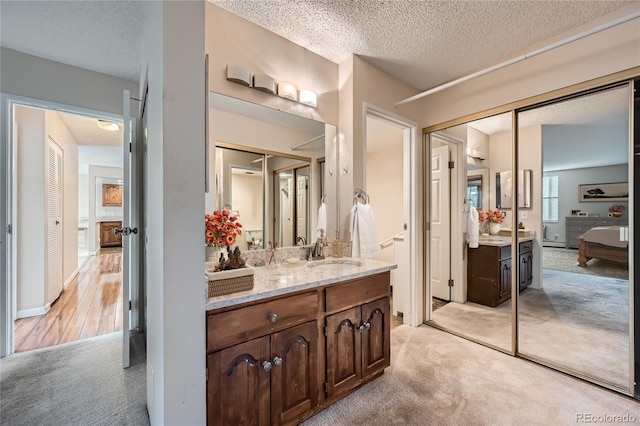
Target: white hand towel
[(363, 232), (473, 227), (321, 228)]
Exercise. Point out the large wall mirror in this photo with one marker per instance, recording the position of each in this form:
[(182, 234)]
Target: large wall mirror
[(267, 169)]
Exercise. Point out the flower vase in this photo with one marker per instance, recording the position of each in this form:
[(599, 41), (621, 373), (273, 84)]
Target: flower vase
[(494, 228), (212, 253)]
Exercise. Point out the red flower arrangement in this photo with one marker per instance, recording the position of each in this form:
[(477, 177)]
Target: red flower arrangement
[(221, 229), (493, 216), (618, 208)]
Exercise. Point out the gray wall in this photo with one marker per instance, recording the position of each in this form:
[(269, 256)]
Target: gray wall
[(568, 181)]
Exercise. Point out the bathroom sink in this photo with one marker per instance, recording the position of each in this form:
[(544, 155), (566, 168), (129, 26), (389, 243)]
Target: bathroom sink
[(334, 264)]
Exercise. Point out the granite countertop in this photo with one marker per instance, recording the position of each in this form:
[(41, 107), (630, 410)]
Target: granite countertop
[(500, 240), (284, 279), (108, 219)]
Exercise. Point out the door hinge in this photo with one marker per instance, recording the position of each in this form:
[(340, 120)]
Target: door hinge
[(326, 330), (450, 283), (129, 304), (326, 387), (451, 164), (8, 228)]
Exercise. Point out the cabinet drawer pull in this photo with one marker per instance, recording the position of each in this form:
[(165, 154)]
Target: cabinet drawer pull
[(277, 361), (272, 317), (266, 366)]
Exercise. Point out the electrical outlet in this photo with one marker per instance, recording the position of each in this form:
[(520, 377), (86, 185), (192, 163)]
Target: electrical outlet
[(524, 215)]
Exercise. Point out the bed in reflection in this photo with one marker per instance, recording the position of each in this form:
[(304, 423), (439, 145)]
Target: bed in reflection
[(603, 242)]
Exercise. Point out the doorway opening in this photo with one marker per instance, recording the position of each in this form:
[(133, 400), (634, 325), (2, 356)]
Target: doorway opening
[(389, 169), (66, 181)]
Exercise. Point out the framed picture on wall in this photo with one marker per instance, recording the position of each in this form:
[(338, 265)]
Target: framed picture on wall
[(618, 191)]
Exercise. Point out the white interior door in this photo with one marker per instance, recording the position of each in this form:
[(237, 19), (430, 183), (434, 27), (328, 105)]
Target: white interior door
[(130, 241), (439, 248), (54, 220)]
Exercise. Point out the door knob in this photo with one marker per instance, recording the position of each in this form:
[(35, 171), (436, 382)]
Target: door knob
[(277, 361), (272, 317), (125, 230), (57, 222), (266, 366)]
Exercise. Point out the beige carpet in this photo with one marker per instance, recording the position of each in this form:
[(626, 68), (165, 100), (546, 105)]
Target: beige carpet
[(577, 321), (566, 260), (436, 378)]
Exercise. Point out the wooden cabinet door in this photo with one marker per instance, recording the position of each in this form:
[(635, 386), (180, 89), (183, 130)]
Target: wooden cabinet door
[(108, 238), (526, 270), (376, 352), (294, 375), (238, 385), (344, 359), (529, 269), (505, 279)]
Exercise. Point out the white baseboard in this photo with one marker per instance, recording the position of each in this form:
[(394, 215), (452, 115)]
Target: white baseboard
[(93, 253), (67, 283), (33, 312)]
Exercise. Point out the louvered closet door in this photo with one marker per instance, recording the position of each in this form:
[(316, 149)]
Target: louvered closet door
[(54, 221)]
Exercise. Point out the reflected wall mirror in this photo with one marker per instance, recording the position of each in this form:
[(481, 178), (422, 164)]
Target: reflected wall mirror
[(503, 189), (265, 166)]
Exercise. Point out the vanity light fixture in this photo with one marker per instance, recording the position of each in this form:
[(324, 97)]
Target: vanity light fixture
[(308, 97), (474, 153), (108, 125), (288, 91), (239, 75), (265, 83)]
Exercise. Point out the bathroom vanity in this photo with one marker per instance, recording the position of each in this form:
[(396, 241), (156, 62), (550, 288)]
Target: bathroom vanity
[(300, 340), (489, 270)]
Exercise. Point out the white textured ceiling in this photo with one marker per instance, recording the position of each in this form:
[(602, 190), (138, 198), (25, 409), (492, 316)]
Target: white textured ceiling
[(423, 43), (101, 36), (85, 131)]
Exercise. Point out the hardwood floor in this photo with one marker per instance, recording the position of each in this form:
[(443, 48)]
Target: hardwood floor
[(89, 307)]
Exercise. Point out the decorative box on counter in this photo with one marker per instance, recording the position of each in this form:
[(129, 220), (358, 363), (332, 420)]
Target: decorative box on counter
[(227, 282)]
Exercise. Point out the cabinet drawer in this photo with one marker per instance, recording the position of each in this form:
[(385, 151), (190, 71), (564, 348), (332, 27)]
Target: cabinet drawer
[(526, 246), (232, 327), (354, 293)]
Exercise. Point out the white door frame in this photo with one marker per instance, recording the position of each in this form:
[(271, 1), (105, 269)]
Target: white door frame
[(414, 316), (8, 189)]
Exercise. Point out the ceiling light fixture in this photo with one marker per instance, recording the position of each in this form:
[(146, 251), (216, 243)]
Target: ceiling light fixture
[(108, 125)]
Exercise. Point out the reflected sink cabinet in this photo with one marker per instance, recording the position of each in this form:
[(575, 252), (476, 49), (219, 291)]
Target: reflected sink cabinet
[(278, 361), (489, 273)]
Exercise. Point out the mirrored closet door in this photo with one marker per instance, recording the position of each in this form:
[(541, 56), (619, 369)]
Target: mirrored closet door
[(469, 273), (574, 314)]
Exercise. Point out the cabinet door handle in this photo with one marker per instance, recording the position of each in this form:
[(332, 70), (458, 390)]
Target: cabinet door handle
[(266, 365), (277, 361), (367, 326), (272, 317), (364, 327), (361, 328)]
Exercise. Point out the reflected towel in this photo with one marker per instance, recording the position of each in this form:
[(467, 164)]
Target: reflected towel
[(363, 232), (473, 228), (321, 228)]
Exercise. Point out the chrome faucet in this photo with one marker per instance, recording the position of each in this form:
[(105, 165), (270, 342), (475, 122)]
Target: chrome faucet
[(315, 253), (301, 239)]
